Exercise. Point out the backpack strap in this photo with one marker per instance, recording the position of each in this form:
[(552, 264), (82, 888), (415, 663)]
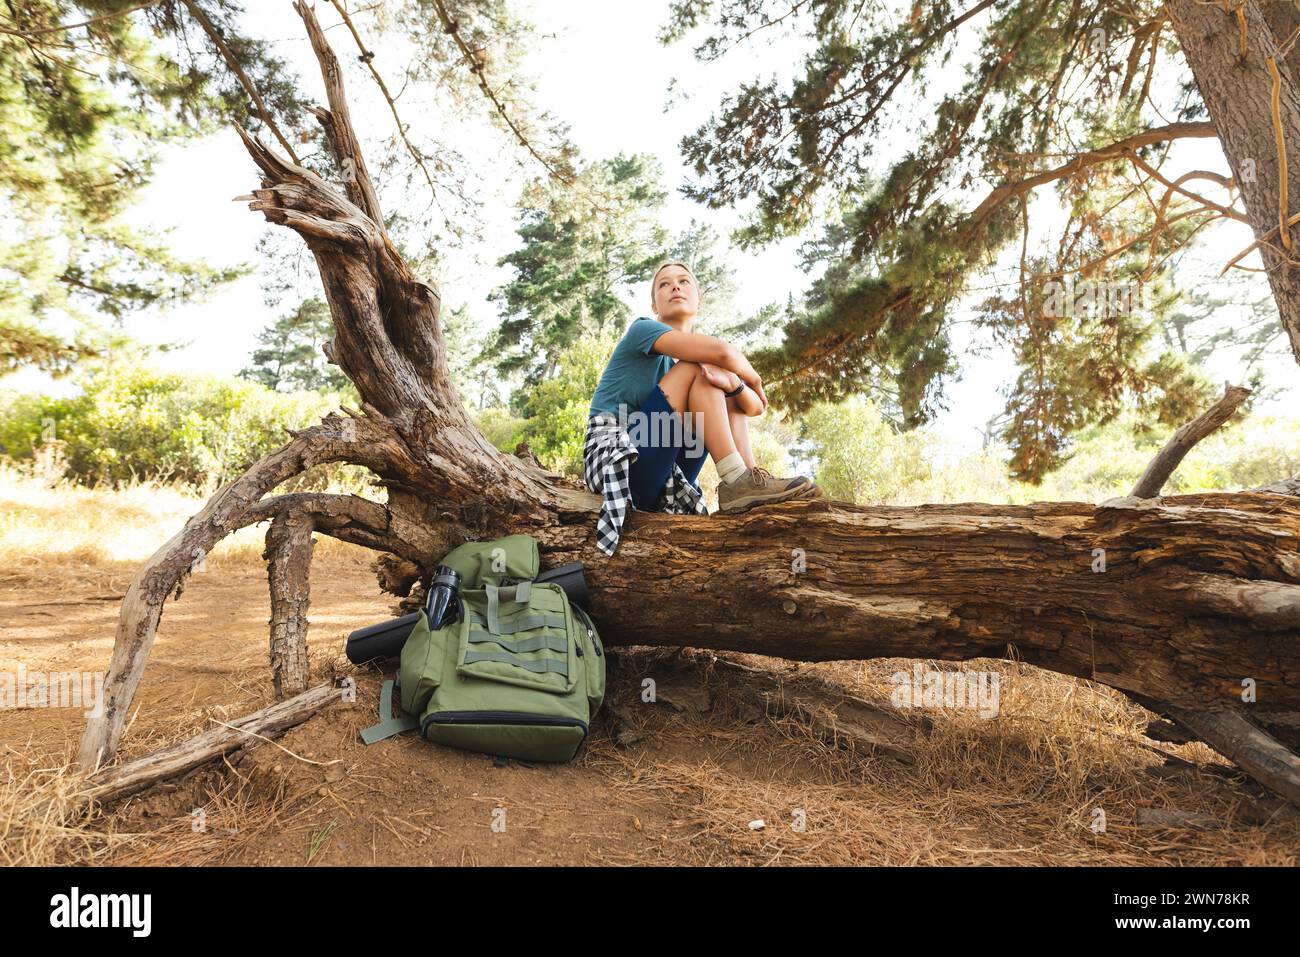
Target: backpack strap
[(518, 594), (388, 725)]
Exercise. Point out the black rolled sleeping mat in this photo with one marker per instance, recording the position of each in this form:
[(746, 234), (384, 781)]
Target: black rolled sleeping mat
[(383, 640), (570, 578)]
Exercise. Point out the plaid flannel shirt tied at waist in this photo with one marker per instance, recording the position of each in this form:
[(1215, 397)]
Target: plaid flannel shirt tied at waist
[(607, 459)]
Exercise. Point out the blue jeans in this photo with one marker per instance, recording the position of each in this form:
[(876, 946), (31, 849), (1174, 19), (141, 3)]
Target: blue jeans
[(654, 462)]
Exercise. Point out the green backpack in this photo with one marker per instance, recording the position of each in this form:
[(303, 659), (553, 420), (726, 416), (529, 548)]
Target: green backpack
[(520, 674)]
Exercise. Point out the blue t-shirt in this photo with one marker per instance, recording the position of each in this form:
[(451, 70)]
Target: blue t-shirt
[(633, 370)]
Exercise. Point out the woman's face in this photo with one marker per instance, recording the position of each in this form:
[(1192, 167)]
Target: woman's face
[(675, 294)]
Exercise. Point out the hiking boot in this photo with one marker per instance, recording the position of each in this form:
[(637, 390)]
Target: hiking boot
[(757, 486)]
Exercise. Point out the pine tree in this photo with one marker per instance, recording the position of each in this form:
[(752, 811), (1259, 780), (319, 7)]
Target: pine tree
[(991, 101), (291, 356), (89, 91), (586, 250), (580, 245)]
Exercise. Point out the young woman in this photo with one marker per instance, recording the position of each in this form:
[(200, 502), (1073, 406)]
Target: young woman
[(661, 368)]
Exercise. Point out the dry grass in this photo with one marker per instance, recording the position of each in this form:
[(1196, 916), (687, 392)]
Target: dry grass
[(236, 811), (57, 536), (1018, 788), (48, 523), (43, 818)]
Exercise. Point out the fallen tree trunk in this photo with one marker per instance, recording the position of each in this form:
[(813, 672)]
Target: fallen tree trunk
[(248, 731), (1185, 603)]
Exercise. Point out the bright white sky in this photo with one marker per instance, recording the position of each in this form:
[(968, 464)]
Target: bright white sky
[(599, 68)]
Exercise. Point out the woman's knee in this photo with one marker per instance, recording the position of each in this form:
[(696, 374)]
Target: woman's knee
[(677, 383), (690, 371), (704, 394)]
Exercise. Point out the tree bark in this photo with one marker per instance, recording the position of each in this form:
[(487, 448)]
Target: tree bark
[(1181, 602), (1237, 90), (288, 553)]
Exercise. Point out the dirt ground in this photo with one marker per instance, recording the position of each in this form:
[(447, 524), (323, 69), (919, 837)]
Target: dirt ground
[(683, 784)]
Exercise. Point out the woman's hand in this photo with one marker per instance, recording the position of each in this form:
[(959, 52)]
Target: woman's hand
[(720, 378), (741, 367), (751, 401)]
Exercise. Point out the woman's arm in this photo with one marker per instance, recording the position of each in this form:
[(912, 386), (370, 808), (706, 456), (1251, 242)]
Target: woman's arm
[(747, 402), (692, 347), (697, 347)]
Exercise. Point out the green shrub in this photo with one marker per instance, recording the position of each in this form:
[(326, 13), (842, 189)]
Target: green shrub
[(861, 459), (501, 428), (557, 409), (132, 422)]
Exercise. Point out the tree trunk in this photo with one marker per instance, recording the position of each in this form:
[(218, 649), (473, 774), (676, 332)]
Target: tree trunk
[(288, 552), (1181, 602), (1238, 90)]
